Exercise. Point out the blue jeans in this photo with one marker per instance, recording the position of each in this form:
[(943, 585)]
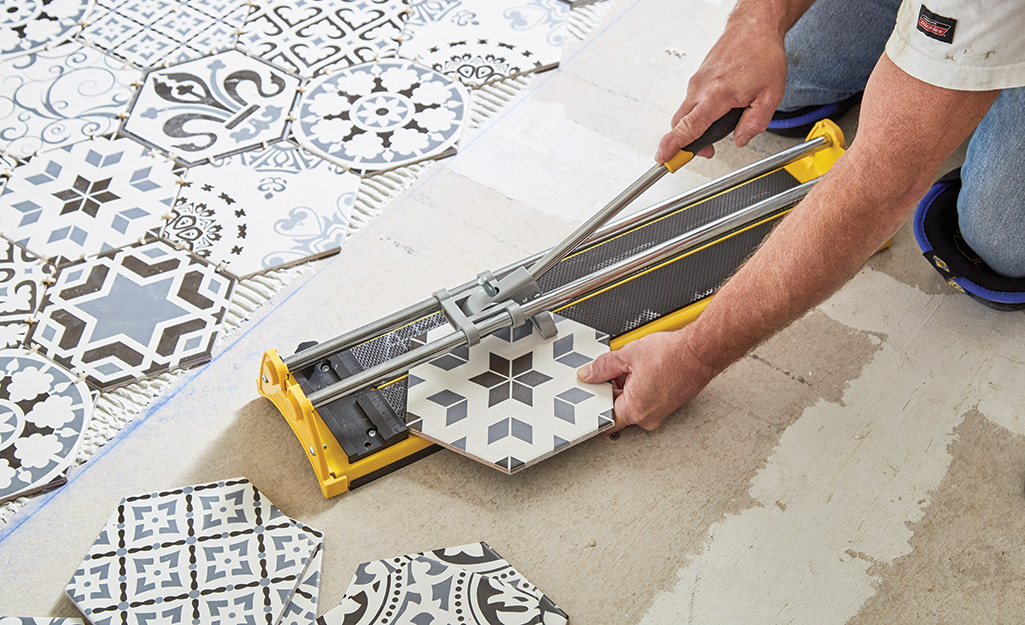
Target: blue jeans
[(831, 51)]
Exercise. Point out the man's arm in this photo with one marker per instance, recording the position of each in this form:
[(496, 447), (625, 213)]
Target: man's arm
[(907, 129)]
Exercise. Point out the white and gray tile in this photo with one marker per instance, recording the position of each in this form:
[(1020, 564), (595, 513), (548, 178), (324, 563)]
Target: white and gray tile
[(313, 37), (264, 208), (28, 620), (44, 411), (378, 116), (30, 25), (212, 107), (56, 97), (153, 32), (511, 36), (469, 584), (513, 399), (87, 198), (132, 313), (211, 553), (23, 278)]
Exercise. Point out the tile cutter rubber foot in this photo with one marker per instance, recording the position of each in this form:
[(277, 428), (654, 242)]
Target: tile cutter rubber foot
[(333, 394)]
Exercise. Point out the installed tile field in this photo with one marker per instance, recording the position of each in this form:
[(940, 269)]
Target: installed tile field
[(155, 154)]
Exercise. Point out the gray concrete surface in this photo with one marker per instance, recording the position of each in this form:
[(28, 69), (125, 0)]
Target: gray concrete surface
[(864, 466)]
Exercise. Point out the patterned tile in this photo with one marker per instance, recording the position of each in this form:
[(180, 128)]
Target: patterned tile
[(513, 399), (302, 609), (29, 25), (313, 37), (44, 411), (263, 209), (87, 198), (214, 553), (481, 61), (39, 621), (153, 32), (486, 37), (56, 97), (23, 278), (212, 107), (132, 313), (469, 584), (379, 116)]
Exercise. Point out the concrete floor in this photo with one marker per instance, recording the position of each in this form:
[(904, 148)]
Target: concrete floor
[(865, 466)]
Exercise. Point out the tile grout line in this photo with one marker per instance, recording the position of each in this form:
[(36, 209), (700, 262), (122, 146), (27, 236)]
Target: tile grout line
[(44, 499)]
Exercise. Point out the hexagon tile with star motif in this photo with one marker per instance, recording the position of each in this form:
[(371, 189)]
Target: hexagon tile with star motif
[(132, 313), (513, 399)]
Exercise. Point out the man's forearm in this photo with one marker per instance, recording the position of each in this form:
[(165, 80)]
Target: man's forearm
[(907, 130)]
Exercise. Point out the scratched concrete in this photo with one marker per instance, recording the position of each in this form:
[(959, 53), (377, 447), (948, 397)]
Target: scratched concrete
[(865, 466)]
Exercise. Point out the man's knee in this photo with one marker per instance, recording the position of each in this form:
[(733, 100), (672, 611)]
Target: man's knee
[(993, 225)]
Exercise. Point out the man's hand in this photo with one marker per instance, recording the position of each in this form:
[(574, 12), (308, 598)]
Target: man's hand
[(746, 68), (651, 378)]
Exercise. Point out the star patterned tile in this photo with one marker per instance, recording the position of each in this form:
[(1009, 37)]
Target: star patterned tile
[(263, 209), (313, 37), (153, 32), (378, 116), (57, 97), (132, 313), (211, 107), (469, 585), (44, 410), (87, 198), (213, 553), (513, 399), (483, 39), (23, 277), (30, 25)]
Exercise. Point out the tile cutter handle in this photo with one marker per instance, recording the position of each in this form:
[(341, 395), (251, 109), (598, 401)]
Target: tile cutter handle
[(718, 130)]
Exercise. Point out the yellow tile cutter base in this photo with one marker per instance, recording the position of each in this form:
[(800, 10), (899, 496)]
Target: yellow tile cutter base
[(651, 271)]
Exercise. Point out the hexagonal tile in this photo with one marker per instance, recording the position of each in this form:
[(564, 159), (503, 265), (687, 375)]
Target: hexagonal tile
[(263, 209), (378, 116), (30, 25), (513, 399), (310, 38), (212, 107), (212, 553), (479, 41), (60, 96), (87, 198), (23, 278), (44, 411), (152, 32), (132, 313), (469, 584)]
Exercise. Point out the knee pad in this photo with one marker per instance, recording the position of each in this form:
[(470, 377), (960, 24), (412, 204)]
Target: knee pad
[(939, 236)]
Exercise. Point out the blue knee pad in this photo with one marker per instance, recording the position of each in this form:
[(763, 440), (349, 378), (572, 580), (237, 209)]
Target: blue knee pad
[(939, 236)]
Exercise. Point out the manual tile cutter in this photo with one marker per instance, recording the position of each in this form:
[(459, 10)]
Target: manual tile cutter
[(654, 270)]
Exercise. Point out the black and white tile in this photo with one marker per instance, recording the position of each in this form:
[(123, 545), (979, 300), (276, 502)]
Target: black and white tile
[(23, 278), (87, 198), (153, 32), (56, 97), (470, 584), (212, 107), (132, 313), (264, 208), (378, 116), (30, 25), (44, 411), (498, 36), (313, 37), (513, 399), (212, 553)]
